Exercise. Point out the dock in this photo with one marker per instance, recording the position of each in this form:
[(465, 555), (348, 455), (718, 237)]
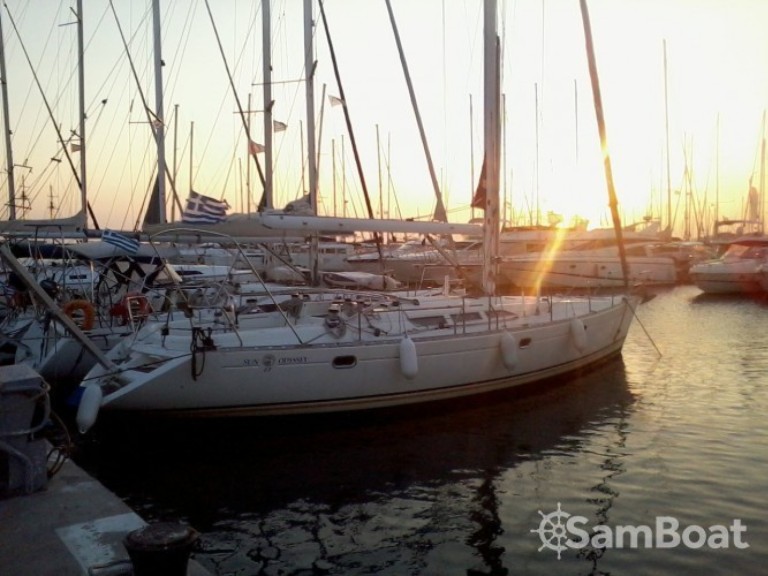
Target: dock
[(68, 524), (73, 527)]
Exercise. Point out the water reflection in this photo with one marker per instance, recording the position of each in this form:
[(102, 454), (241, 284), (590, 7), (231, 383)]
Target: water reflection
[(420, 491)]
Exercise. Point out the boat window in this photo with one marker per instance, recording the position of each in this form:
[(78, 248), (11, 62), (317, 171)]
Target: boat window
[(755, 252), (637, 250), (502, 314), (430, 321), (345, 361), (466, 317), (524, 343)]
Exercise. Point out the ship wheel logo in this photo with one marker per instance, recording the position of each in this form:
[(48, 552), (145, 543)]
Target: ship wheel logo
[(553, 531)]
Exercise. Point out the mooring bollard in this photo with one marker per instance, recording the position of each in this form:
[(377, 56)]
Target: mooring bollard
[(161, 549)]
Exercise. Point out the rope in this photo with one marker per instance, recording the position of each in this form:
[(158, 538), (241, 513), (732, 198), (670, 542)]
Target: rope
[(650, 339), (59, 452)]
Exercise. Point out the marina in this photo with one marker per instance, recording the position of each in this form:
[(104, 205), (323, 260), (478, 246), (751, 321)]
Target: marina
[(293, 373)]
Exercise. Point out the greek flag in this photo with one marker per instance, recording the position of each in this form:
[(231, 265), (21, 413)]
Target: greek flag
[(130, 245), (204, 210)]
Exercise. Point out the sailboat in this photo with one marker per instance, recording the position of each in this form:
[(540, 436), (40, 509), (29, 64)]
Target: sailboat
[(341, 351)]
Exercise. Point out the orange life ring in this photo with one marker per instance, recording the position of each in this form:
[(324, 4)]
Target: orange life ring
[(132, 305), (85, 308)]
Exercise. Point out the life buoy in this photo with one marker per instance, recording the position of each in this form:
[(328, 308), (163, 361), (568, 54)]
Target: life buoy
[(132, 306), (85, 308)]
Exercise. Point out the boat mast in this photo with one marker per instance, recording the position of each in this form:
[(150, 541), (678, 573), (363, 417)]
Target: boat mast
[(266, 36), (717, 171), (245, 119), (666, 128), (309, 70), (762, 179), (440, 213), (471, 158), (7, 124), (159, 113), (81, 90), (348, 122), (492, 136), (612, 201)]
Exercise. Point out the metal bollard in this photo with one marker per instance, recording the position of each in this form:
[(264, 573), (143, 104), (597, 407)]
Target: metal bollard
[(161, 549)]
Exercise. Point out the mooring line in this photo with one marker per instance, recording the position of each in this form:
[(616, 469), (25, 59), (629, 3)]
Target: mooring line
[(634, 312)]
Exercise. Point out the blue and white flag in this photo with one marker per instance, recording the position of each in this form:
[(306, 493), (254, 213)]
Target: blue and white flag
[(130, 245), (204, 210)]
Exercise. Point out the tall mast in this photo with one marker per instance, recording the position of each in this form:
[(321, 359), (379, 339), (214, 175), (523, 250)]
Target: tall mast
[(159, 123), (7, 125), (439, 214), (175, 149), (309, 70), (717, 169), (267, 64), (81, 90), (191, 156), (762, 178), (333, 171), (492, 136), (78, 221), (666, 128), (598, 101), (536, 97), (471, 156), (378, 159)]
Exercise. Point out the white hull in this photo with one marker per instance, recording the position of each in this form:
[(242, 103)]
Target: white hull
[(339, 373), (728, 282), (567, 271), (738, 271)]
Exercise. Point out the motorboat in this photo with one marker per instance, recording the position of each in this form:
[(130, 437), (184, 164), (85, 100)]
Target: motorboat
[(738, 271)]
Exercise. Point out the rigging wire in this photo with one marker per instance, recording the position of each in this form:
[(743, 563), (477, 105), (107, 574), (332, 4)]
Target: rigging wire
[(47, 104), (246, 124)]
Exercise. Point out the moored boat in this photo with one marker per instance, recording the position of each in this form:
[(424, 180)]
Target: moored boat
[(367, 351), (737, 271)]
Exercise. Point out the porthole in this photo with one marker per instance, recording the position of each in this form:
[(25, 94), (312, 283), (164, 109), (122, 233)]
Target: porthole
[(345, 362), (524, 343)]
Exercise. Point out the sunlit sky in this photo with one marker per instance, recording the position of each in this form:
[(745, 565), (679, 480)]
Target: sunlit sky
[(717, 86)]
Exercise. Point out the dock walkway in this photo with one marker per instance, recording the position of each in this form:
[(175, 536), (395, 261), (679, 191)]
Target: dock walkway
[(73, 527)]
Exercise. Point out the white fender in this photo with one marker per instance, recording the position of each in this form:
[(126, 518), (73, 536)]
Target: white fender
[(579, 334), (508, 348), (409, 360), (88, 410)]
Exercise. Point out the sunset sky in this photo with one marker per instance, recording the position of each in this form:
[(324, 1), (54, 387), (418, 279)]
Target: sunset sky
[(717, 78)]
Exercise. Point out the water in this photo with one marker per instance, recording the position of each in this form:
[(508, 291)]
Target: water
[(459, 491)]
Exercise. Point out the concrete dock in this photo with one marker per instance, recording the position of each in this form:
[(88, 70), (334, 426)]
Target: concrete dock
[(73, 527), (69, 524)]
